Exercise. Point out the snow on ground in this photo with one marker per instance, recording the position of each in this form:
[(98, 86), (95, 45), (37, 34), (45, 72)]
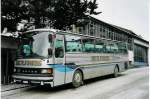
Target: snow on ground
[(132, 84)]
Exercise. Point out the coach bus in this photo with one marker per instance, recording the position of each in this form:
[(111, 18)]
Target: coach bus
[(54, 57)]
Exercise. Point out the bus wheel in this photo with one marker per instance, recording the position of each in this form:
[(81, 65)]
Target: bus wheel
[(77, 79), (116, 71)]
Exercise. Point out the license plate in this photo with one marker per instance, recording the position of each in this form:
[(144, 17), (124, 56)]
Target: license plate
[(25, 82)]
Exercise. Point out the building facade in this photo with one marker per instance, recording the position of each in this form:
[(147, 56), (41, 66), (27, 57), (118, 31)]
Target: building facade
[(137, 47)]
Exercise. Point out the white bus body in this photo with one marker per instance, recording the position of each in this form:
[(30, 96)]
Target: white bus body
[(63, 58)]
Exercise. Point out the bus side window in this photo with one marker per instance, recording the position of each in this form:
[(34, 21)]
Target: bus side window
[(110, 48), (73, 43), (99, 46), (59, 52), (122, 48), (115, 48), (88, 45)]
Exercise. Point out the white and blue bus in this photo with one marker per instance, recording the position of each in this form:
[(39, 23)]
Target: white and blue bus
[(48, 56)]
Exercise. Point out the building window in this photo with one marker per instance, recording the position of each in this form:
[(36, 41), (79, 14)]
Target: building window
[(80, 30), (96, 30), (114, 35), (111, 35), (104, 33), (91, 29), (100, 31)]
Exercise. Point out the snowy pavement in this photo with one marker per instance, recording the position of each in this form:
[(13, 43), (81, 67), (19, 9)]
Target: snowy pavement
[(131, 84)]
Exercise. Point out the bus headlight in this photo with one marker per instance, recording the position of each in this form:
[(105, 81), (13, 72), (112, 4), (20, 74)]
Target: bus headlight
[(47, 70), (18, 70)]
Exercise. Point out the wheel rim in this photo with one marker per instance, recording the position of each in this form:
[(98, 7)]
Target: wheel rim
[(77, 78)]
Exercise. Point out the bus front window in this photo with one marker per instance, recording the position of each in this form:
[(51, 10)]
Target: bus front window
[(35, 45)]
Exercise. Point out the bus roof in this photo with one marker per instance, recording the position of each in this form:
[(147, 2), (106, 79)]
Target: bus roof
[(43, 29), (58, 31), (68, 32)]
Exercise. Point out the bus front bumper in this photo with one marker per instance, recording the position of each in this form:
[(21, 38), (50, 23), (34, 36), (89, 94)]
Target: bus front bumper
[(33, 80)]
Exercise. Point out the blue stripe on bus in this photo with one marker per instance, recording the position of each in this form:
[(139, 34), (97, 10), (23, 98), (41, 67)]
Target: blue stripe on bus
[(61, 67)]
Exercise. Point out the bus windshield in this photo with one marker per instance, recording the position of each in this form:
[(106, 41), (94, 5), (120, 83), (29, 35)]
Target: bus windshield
[(34, 45)]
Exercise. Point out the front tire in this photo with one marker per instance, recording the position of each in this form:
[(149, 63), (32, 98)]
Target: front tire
[(77, 80)]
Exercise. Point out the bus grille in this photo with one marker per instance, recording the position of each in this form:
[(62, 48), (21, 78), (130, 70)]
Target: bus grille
[(28, 71)]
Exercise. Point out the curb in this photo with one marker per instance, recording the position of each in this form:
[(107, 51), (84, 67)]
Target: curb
[(14, 91)]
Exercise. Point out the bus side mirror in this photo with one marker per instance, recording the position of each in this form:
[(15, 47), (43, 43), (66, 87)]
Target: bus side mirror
[(50, 51), (50, 38)]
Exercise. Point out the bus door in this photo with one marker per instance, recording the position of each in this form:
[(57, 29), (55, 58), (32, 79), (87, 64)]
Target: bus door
[(59, 60)]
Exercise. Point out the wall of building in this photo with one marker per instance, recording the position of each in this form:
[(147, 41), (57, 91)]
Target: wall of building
[(140, 52), (140, 55), (8, 54)]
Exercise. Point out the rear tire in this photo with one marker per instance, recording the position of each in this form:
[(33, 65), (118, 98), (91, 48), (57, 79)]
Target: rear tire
[(116, 71), (77, 80)]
